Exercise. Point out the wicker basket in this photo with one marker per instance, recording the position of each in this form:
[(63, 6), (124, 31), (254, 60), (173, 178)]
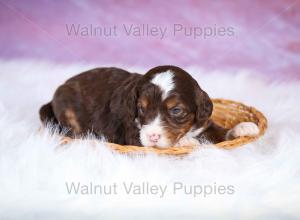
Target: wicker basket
[(227, 114)]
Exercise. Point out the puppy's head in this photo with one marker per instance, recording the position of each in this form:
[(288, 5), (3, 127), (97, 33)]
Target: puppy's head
[(170, 104)]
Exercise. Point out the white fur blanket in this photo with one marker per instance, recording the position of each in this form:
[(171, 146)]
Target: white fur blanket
[(259, 181)]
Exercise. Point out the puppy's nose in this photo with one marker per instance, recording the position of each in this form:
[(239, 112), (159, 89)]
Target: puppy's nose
[(154, 137)]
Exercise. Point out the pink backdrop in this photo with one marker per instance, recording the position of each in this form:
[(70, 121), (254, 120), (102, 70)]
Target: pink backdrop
[(265, 39)]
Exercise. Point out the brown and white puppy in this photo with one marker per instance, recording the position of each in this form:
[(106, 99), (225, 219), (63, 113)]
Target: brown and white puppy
[(163, 108)]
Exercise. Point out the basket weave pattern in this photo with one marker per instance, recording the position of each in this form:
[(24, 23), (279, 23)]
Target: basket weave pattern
[(227, 114)]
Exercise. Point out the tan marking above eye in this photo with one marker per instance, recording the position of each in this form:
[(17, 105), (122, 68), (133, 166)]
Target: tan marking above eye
[(171, 103), (143, 102)]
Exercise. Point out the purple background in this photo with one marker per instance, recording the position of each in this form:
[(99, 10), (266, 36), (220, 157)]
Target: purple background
[(266, 34)]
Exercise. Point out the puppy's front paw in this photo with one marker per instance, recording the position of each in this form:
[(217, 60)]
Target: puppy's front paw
[(187, 141), (243, 129)]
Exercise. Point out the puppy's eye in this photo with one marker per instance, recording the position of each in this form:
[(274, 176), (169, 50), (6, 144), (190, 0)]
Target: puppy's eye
[(176, 111)]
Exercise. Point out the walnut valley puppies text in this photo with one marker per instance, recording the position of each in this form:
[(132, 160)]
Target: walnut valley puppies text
[(148, 189), (148, 30)]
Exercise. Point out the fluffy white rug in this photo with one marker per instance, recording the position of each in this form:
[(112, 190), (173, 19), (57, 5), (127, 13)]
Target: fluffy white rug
[(261, 179)]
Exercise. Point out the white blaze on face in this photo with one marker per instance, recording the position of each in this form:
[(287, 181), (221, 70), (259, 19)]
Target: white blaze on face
[(165, 82), (154, 128)]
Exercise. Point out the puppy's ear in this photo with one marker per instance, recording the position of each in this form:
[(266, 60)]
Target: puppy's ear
[(204, 106)]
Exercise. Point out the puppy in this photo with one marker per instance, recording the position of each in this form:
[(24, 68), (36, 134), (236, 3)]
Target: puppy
[(163, 108)]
